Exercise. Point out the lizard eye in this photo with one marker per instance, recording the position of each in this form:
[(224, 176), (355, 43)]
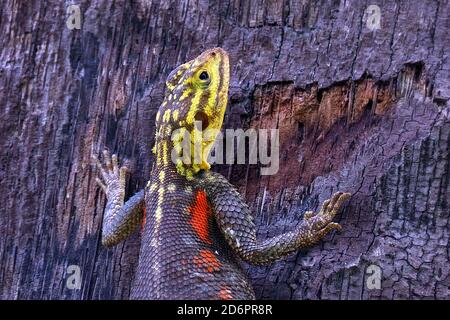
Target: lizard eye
[(204, 76)]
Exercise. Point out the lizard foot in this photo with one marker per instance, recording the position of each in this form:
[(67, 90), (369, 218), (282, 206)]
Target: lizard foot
[(112, 177), (320, 224)]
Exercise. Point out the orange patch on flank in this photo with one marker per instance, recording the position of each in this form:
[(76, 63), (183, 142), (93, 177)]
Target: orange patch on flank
[(200, 212), (225, 293), (206, 259), (144, 219)]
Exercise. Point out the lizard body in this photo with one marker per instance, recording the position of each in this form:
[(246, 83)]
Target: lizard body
[(195, 223)]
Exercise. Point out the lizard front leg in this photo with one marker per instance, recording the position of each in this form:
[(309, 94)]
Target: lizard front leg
[(234, 219), (120, 218)]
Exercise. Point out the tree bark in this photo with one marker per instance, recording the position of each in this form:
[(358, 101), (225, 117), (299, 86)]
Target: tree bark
[(359, 109)]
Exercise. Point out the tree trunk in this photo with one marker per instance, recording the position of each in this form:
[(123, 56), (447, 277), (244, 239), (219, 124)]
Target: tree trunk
[(359, 108)]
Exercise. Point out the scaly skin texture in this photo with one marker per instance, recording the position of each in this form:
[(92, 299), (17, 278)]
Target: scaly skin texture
[(197, 223)]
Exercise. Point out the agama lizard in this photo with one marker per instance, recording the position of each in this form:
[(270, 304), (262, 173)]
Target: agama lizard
[(195, 223)]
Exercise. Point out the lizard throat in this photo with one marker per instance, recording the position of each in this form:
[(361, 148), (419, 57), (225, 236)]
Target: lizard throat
[(187, 150)]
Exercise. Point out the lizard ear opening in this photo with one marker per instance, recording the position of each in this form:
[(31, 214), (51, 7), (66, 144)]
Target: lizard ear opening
[(203, 118)]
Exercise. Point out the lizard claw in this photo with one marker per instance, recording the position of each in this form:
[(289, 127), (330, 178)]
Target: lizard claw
[(107, 159), (101, 184), (321, 224), (308, 215), (329, 209)]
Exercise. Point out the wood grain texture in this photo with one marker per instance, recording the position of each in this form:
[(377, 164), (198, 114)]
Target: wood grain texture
[(358, 110)]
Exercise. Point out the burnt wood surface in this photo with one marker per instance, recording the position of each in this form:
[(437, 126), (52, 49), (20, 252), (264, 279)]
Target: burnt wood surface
[(359, 110)]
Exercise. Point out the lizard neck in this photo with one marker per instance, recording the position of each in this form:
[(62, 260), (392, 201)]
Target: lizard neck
[(165, 169), (189, 162), (163, 154)]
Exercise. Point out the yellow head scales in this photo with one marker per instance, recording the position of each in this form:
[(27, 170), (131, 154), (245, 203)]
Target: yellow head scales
[(196, 91)]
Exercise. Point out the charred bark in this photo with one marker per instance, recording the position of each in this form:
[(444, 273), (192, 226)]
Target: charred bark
[(359, 109)]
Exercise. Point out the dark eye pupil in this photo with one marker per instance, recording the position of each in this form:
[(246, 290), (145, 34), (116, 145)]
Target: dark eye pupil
[(204, 75)]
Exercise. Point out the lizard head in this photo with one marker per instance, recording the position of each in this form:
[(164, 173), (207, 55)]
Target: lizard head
[(191, 115)]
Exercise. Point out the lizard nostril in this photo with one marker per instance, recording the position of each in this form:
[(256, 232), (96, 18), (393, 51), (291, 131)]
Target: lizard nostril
[(203, 118)]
